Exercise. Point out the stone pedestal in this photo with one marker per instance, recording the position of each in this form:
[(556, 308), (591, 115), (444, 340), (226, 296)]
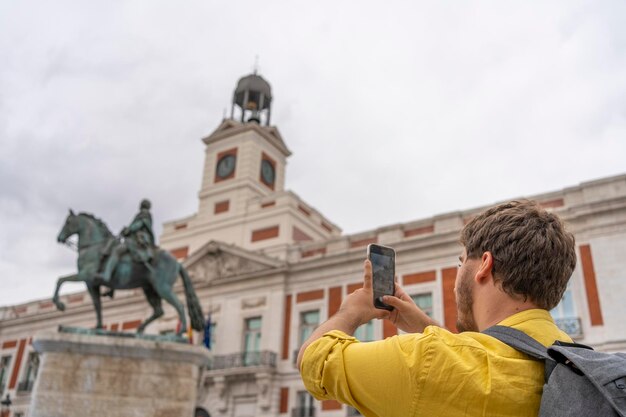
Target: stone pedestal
[(85, 375)]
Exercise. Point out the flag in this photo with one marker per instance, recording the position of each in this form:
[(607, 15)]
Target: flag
[(207, 332), (190, 334)]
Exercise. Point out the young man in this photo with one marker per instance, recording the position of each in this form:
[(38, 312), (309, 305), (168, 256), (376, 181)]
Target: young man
[(515, 264)]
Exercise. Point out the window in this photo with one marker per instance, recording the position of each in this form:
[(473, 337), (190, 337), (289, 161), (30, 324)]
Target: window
[(5, 362), (425, 302), (252, 341), (201, 412), (30, 373), (565, 309), (309, 320), (304, 406), (365, 332), (565, 315)]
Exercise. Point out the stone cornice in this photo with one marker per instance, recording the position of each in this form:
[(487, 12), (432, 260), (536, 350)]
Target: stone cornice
[(120, 347)]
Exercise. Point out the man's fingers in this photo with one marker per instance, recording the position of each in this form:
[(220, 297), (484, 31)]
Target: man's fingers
[(393, 301), (401, 294), (367, 275)]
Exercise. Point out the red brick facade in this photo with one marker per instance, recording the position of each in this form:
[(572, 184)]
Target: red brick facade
[(448, 276), (267, 233), (419, 277), (589, 275), (221, 207)]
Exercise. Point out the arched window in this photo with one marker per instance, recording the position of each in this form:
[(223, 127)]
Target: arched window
[(201, 412)]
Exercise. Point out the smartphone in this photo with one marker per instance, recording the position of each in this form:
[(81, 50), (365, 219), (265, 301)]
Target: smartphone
[(383, 261)]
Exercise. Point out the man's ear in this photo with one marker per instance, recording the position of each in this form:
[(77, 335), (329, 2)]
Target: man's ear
[(484, 269)]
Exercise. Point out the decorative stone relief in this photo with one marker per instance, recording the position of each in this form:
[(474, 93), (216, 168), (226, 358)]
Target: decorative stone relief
[(220, 264), (214, 309), (253, 302), (264, 382), (221, 388)]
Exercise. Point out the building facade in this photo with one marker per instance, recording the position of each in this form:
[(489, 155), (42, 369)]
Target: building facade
[(268, 268)]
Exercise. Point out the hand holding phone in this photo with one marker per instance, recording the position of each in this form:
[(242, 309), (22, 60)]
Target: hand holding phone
[(383, 261)]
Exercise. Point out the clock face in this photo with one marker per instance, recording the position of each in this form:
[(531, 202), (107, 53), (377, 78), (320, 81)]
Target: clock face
[(226, 166), (267, 172)]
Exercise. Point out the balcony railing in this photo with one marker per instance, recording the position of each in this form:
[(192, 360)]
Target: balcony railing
[(570, 325), (25, 386), (303, 412), (244, 359)]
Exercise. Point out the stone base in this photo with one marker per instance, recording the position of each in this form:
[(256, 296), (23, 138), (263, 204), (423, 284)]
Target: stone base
[(84, 375)]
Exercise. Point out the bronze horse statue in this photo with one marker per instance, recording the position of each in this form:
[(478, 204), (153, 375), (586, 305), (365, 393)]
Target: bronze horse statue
[(93, 237)]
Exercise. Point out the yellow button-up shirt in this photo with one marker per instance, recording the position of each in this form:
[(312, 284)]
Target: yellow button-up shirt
[(435, 373)]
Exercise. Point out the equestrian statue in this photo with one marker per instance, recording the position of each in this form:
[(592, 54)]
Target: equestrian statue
[(129, 261)]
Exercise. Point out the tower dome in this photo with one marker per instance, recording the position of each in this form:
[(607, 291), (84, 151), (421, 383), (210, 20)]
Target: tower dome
[(253, 96)]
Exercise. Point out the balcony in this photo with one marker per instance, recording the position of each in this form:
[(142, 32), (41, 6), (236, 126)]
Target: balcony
[(264, 359), (570, 325), (25, 386), (303, 412)]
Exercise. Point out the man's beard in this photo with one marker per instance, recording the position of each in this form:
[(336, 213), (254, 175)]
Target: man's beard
[(465, 300)]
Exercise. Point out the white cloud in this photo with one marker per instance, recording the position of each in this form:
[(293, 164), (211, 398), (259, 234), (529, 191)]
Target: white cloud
[(393, 113)]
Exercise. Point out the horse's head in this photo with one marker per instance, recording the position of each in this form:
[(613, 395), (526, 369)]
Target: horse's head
[(70, 227)]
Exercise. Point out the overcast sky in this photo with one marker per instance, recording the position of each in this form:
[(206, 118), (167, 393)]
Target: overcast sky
[(394, 111)]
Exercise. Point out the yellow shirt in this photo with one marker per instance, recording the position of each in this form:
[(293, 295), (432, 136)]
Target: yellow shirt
[(435, 373)]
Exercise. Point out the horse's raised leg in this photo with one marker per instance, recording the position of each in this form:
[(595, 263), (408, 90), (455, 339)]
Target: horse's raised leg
[(60, 281), (155, 301), (94, 291)]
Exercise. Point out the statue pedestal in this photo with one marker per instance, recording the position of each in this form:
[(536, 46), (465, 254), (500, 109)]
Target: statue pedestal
[(85, 375)]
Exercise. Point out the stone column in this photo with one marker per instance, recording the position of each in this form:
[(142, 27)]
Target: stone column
[(87, 375)]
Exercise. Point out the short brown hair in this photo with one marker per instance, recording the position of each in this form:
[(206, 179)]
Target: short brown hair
[(533, 255)]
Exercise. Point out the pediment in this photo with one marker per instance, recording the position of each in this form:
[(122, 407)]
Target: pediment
[(217, 260), (230, 127), (227, 124)]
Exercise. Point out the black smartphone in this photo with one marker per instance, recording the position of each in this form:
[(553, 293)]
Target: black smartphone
[(383, 261)]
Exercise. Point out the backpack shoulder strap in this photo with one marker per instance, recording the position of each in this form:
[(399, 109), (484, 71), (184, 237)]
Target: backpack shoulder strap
[(519, 340)]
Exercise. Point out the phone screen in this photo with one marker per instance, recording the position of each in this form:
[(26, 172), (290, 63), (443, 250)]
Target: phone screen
[(383, 273)]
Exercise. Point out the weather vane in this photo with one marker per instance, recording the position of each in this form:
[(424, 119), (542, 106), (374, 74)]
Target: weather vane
[(256, 64)]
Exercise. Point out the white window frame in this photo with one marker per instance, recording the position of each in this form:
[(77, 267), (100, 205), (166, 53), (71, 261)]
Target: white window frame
[(297, 309), (433, 287), (8, 369)]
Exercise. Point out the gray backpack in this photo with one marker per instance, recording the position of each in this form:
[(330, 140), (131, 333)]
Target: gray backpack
[(578, 380)]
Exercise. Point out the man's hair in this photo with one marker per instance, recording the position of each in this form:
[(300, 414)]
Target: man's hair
[(533, 255)]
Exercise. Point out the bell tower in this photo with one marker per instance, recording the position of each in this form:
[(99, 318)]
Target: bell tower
[(253, 98), (245, 157), (243, 200)]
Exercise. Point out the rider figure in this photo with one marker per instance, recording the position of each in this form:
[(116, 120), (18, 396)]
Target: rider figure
[(139, 241)]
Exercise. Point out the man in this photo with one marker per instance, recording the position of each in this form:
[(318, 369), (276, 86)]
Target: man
[(139, 242), (515, 264)]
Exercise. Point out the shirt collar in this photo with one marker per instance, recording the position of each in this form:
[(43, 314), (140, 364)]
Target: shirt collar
[(526, 315)]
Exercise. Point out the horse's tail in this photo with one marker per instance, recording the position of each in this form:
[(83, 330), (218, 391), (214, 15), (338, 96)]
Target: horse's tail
[(193, 305)]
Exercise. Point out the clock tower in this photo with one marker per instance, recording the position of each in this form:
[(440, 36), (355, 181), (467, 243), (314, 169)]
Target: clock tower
[(243, 200)]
